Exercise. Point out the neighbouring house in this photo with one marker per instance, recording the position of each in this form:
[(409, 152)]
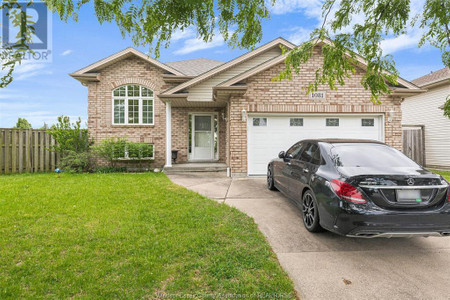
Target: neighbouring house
[(231, 112), (424, 112)]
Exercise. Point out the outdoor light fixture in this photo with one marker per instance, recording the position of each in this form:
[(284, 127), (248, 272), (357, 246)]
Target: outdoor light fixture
[(244, 115), (391, 115)]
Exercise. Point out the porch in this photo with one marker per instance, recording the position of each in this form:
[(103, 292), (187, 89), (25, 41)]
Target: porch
[(197, 132)]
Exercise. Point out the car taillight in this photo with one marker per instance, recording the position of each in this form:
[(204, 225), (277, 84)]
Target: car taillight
[(448, 191), (347, 191)]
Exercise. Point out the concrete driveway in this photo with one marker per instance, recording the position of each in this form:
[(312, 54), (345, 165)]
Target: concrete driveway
[(328, 266)]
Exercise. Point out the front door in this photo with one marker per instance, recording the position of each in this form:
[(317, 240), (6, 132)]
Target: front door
[(203, 137)]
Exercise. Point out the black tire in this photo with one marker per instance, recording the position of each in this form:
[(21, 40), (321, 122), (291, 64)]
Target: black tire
[(270, 180), (310, 213)]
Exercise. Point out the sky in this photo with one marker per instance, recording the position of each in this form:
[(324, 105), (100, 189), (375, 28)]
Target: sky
[(42, 91)]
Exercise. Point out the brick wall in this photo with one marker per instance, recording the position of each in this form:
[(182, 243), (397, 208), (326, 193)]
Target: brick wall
[(137, 71), (264, 95), (128, 71)]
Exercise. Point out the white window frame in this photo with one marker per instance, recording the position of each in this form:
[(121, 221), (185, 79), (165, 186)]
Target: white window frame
[(140, 99)]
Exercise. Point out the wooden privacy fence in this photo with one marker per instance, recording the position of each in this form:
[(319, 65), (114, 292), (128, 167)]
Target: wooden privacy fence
[(26, 150), (414, 143)]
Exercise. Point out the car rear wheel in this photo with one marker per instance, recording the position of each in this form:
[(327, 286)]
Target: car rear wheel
[(270, 180), (310, 212)]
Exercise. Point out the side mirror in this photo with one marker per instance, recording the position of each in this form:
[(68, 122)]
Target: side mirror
[(282, 154)]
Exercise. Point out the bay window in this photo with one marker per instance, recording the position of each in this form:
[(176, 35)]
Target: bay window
[(133, 105)]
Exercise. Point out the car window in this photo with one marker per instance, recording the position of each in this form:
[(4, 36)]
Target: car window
[(310, 154), (316, 158), (294, 150), (369, 155)]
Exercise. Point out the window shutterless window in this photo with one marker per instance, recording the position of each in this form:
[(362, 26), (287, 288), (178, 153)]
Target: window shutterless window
[(332, 122), (259, 121), (296, 122), (133, 105), (367, 122)]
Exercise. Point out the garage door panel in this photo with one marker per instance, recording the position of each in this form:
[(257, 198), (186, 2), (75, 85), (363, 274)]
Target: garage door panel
[(265, 142)]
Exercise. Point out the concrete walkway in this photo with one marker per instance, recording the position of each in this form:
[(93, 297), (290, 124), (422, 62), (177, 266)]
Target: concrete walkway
[(328, 266)]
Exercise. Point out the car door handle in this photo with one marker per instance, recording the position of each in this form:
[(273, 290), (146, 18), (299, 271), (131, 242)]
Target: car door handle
[(305, 170)]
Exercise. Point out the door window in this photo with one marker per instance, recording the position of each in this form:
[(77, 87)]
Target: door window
[(294, 150), (310, 154), (203, 123)]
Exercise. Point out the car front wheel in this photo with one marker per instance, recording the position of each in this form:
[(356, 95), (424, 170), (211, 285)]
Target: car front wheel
[(270, 180), (310, 212)]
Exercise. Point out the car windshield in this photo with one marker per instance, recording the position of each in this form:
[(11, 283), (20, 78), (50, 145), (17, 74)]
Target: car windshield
[(369, 155)]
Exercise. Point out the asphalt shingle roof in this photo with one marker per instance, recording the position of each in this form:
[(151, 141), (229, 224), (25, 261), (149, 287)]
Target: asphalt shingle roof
[(194, 67), (433, 77)]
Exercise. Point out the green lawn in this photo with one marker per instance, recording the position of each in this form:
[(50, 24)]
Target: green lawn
[(446, 174), (126, 236)]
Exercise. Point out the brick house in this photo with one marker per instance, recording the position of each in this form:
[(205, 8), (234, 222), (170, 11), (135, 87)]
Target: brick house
[(231, 112)]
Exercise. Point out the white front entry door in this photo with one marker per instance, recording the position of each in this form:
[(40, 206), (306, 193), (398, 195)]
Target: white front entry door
[(203, 137)]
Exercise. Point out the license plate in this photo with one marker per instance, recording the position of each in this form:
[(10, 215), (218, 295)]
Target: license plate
[(409, 196)]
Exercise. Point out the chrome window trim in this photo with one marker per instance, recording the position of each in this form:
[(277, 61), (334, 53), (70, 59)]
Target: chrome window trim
[(405, 187)]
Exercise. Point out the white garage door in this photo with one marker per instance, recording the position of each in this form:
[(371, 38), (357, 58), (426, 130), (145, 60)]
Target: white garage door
[(268, 135)]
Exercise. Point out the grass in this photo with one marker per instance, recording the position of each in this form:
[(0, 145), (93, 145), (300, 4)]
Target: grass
[(446, 174), (127, 236)]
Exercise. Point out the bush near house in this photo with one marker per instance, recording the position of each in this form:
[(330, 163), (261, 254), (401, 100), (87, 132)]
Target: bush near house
[(72, 145), (77, 153), (117, 151), (129, 236)]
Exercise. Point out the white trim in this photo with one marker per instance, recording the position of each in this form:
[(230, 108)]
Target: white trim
[(191, 155), (122, 54), (168, 135)]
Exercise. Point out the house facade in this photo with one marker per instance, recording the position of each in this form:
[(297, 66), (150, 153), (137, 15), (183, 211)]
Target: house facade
[(425, 111), (231, 112)]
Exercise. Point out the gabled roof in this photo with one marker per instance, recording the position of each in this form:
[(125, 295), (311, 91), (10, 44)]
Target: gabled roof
[(194, 67), (433, 77), (276, 60), (128, 52), (223, 67)]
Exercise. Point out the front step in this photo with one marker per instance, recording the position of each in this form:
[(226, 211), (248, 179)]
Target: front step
[(195, 167)]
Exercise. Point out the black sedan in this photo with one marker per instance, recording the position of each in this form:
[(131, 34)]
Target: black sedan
[(361, 188)]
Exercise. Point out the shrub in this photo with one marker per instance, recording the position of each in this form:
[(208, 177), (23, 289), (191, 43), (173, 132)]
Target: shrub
[(114, 150), (69, 136), (72, 144), (139, 151), (74, 162), (111, 150)]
